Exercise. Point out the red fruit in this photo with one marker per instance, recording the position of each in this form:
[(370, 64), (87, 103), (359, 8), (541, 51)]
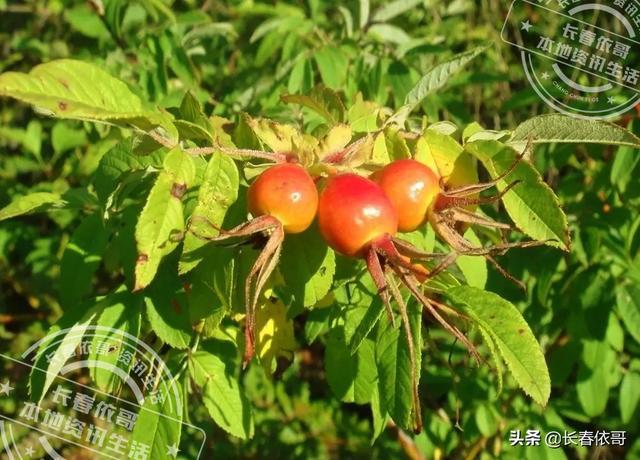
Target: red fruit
[(286, 192), (353, 213), (412, 187)]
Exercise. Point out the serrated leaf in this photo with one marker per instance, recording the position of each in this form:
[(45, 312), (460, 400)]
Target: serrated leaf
[(394, 367), (159, 423), (531, 204), (219, 190), (628, 304), (67, 88), (553, 128), (214, 370), (81, 259), (307, 266), (322, 100), (366, 324), (120, 317), (274, 332), (351, 377), (120, 160), (495, 356), (34, 202), (161, 221), (512, 336), (435, 79), (393, 9)]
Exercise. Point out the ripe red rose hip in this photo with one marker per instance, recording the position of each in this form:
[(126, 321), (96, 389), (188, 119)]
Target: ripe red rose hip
[(286, 192), (353, 212), (412, 187)]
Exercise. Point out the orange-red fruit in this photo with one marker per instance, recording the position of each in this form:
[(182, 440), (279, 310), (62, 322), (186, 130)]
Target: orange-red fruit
[(286, 192), (412, 187), (353, 213)]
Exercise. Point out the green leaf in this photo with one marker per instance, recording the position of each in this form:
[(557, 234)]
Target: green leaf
[(389, 33), (473, 268), (366, 324), (162, 220), (322, 100), (219, 190), (81, 259), (629, 396), (438, 151), (628, 303), (594, 372), (393, 9), (363, 12), (29, 204), (213, 284), (120, 317), (394, 367), (531, 204), (560, 128), (56, 349), (64, 138), (166, 307), (512, 335), (119, 161), (307, 266), (351, 377), (214, 370), (66, 88), (435, 79), (159, 423), (333, 66)]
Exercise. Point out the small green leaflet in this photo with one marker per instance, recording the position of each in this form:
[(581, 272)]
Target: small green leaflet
[(60, 344), (219, 190), (560, 128), (394, 366), (81, 259), (352, 377), (167, 309), (116, 320), (628, 303), (323, 101), (162, 222), (629, 396), (67, 88), (307, 266), (512, 336), (34, 202), (214, 370), (531, 204), (594, 372), (392, 9), (159, 423), (433, 80)]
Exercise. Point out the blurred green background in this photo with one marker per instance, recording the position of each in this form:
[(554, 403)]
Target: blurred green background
[(241, 56)]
